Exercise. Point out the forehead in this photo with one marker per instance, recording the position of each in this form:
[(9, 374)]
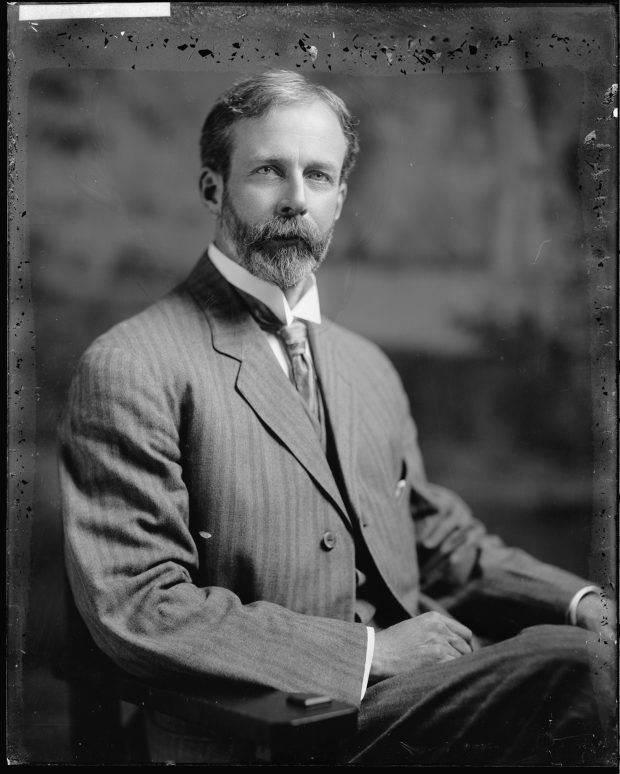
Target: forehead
[(297, 130)]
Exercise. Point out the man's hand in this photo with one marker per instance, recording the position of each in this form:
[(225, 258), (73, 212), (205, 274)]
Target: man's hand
[(596, 613), (428, 639)]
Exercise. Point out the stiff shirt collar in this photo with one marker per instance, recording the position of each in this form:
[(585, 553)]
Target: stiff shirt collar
[(307, 308)]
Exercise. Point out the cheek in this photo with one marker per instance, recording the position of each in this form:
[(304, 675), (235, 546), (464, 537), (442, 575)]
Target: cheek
[(253, 206), (326, 215)]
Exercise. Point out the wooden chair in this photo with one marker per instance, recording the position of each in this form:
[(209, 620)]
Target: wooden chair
[(268, 726)]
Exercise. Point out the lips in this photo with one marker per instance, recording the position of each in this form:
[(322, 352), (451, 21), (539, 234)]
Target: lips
[(283, 241)]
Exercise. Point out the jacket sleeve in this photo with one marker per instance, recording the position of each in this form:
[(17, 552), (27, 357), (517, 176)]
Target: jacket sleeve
[(484, 583), (131, 559)]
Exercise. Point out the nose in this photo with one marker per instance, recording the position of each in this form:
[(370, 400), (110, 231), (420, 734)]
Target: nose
[(293, 199)]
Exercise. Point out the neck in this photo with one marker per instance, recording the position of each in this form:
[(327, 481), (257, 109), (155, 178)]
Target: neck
[(225, 246)]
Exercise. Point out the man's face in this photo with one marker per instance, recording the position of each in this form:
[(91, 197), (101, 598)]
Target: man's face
[(283, 193)]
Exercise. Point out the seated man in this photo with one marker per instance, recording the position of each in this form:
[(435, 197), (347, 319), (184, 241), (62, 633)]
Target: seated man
[(244, 497)]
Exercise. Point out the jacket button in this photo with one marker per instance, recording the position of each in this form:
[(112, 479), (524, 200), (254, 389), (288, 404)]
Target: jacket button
[(328, 541)]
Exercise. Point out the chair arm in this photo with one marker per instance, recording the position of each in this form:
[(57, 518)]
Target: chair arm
[(278, 730)]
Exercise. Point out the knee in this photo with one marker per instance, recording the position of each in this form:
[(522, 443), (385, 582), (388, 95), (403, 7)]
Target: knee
[(569, 650)]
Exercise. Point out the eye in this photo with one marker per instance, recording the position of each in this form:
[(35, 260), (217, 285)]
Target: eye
[(317, 174), (266, 170)]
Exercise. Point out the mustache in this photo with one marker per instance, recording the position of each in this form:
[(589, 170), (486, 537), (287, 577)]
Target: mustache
[(284, 228)]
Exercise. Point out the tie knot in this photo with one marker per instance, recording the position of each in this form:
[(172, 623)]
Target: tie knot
[(263, 315), (294, 337)]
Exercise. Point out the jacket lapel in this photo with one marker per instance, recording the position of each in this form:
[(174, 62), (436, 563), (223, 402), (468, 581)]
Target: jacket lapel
[(340, 399), (259, 379)]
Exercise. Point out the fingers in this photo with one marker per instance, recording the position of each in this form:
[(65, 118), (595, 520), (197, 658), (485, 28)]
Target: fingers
[(462, 631), (458, 636), (461, 646), (454, 649)]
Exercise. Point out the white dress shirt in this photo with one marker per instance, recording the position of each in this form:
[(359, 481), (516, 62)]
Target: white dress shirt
[(307, 309)]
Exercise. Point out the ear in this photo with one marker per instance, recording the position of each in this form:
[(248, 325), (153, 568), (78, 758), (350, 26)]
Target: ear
[(342, 195), (211, 190)]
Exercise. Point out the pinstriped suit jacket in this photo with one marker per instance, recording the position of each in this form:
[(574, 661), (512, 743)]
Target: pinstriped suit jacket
[(196, 493)]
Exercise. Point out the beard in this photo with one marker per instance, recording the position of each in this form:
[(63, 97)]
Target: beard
[(282, 251)]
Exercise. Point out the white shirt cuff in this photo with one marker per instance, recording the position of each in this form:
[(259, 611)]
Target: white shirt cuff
[(571, 613), (370, 652)]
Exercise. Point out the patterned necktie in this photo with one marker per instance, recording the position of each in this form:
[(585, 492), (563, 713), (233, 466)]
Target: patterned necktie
[(294, 337)]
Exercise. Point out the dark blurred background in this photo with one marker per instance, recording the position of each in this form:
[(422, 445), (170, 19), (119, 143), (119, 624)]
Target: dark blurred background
[(460, 252)]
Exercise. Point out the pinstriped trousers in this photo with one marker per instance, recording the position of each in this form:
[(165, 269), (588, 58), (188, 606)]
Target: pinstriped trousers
[(544, 697)]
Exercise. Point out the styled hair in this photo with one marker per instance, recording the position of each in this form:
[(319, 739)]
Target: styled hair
[(254, 97)]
